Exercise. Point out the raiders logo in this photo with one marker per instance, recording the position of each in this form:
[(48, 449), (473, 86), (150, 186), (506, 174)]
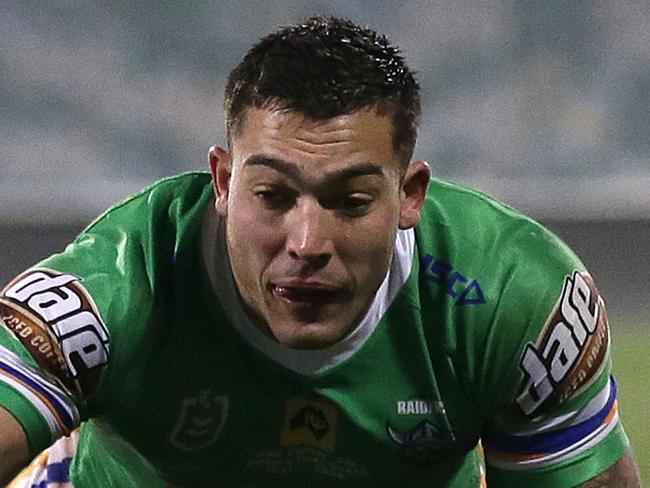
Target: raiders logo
[(571, 349), (56, 320)]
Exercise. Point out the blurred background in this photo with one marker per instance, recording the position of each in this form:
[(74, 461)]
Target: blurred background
[(545, 105)]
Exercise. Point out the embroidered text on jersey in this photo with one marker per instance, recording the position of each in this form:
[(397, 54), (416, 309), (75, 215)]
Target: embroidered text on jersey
[(418, 407)]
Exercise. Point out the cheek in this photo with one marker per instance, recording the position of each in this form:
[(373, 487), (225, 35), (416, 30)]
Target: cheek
[(370, 246), (253, 233), (251, 249)]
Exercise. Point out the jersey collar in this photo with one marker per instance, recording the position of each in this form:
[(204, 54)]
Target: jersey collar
[(306, 362)]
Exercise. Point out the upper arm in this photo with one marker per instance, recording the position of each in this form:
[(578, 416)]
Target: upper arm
[(55, 338), (14, 449), (556, 422)]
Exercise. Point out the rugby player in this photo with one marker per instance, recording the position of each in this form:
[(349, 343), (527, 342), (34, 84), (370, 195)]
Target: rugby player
[(315, 310)]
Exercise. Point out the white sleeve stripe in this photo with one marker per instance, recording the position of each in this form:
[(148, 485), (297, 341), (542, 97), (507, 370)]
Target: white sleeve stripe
[(594, 406), (42, 378), (523, 462), (549, 424), (52, 402), (43, 409)]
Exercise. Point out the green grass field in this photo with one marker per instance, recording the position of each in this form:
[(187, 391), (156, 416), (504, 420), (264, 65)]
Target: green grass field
[(632, 366)]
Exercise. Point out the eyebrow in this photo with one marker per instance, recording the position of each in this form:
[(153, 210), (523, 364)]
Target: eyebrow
[(291, 169)]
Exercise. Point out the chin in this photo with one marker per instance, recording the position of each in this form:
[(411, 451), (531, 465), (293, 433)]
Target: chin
[(309, 336)]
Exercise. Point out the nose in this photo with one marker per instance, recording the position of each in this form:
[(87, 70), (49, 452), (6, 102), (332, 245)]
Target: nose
[(310, 233)]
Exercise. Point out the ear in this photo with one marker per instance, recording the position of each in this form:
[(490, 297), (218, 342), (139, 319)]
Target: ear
[(413, 193), (221, 168)]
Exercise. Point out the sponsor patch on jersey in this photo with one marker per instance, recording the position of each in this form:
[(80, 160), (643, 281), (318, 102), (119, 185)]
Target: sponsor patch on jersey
[(200, 421), (56, 320), (463, 289), (571, 349), (309, 423)]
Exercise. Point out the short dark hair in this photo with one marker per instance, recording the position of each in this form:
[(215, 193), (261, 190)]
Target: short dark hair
[(323, 68)]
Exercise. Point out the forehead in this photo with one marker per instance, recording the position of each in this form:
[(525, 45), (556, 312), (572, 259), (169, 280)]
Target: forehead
[(361, 136)]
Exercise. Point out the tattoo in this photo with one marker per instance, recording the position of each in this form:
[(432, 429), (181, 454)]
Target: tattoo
[(624, 474)]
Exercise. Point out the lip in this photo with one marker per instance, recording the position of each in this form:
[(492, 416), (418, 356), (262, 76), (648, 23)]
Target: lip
[(308, 294)]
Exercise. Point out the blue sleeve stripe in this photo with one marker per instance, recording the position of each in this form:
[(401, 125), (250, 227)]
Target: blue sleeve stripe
[(56, 407), (550, 442)]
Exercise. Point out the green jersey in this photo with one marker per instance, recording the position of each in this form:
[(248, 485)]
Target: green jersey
[(486, 327)]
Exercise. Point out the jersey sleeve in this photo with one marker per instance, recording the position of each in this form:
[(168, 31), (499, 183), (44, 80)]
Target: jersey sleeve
[(75, 329), (60, 320), (554, 419)]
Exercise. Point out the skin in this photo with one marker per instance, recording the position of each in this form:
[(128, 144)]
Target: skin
[(312, 210), (623, 474), (298, 226), (14, 452)]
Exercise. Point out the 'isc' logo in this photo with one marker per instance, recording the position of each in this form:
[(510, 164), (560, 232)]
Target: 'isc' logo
[(466, 291)]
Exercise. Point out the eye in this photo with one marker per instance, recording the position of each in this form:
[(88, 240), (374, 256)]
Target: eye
[(274, 197), (355, 204)]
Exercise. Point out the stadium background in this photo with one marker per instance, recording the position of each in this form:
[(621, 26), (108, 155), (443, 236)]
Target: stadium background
[(545, 105)]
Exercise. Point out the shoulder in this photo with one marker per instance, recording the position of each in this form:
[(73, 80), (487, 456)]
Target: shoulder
[(107, 282), (126, 257), (73, 327), (473, 220), (468, 239), (526, 330), (121, 255), (171, 199), (502, 283)]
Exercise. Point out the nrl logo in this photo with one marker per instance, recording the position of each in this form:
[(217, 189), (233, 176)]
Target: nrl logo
[(200, 421)]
